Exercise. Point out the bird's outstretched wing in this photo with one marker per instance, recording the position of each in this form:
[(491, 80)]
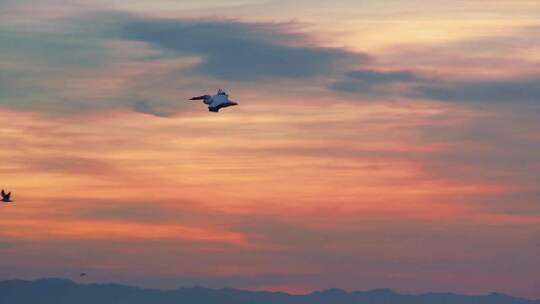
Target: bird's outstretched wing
[(203, 97), (3, 192)]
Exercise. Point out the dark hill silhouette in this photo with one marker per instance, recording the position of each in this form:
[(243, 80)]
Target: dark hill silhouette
[(61, 291)]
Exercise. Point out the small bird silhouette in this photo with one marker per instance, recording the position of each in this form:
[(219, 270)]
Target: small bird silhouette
[(6, 197), (83, 274)]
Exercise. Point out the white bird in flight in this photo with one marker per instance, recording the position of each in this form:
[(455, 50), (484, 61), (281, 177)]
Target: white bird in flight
[(216, 102)]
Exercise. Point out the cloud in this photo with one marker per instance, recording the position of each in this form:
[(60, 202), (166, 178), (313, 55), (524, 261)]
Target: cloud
[(63, 164), (145, 108), (67, 47), (38, 68), (133, 211), (500, 56), (372, 76), (240, 51), (526, 90), (369, 81), (101, 62), (6, 244), (381, 83)]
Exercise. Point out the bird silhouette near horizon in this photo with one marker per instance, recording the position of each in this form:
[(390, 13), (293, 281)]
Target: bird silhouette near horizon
[(6, 197)]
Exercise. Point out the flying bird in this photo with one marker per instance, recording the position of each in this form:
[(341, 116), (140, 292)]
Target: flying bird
[(6, 197), (83, 274), (216, 102)]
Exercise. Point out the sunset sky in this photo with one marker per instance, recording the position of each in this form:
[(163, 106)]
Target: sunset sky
[(377, 144)]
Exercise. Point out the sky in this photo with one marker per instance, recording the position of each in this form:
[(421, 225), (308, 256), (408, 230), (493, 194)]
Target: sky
[(377, 144)]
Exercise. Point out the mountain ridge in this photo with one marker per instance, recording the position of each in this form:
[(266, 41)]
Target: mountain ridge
[(65, 291)]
